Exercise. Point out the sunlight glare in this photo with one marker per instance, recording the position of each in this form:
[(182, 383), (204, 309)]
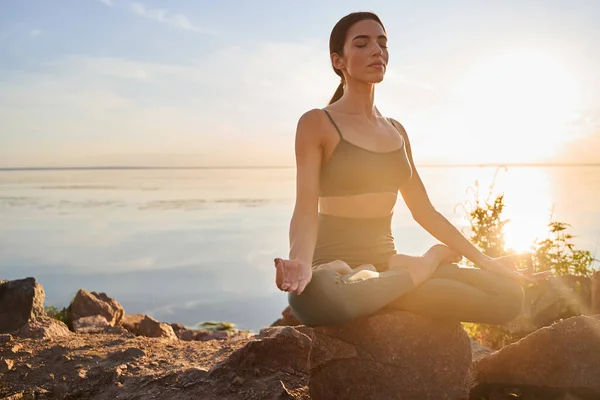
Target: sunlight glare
[(521, 100), (528, 206)]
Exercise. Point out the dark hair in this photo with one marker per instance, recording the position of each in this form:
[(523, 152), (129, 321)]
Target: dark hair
[(338, 39)]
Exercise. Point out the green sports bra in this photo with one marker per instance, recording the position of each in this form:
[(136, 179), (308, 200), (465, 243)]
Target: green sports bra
[(352, 169)]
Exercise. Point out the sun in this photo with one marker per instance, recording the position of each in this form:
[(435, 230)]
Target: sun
[(521, 102)]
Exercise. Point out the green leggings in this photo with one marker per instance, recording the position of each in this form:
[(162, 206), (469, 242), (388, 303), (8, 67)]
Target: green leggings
[(452, 293)]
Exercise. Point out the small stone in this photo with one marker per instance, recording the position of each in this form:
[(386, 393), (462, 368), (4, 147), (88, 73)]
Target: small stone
[(153, 364), (5, 338), (16, 348), (6, 365), (238, 380), (287, 369)]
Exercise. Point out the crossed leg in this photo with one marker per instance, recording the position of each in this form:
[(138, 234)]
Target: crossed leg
[(452, 292)]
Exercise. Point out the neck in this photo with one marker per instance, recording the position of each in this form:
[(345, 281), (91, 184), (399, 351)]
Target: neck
[(359, 99)]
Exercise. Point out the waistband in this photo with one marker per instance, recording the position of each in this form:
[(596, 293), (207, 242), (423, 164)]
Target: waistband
[(352, 222), (354, 240)]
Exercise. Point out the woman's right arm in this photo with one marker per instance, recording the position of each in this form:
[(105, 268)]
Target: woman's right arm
[(294, 274), (308, 149)]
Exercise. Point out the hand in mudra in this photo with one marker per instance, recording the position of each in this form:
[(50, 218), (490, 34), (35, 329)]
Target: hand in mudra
[(506, 266), (292, 275)]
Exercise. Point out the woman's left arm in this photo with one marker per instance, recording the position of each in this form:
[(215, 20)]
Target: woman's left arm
[(424, 213)]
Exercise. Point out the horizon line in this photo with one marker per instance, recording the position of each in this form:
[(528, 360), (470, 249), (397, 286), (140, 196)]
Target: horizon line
[(147, 167)]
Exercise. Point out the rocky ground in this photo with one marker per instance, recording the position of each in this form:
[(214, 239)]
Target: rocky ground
[(124, 366), (100, 352)]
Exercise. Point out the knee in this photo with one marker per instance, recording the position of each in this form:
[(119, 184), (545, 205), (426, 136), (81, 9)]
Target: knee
[(320, 303), (507, 304)]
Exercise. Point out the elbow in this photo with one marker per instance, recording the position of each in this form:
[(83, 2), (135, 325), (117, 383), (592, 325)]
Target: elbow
[(424, 215)]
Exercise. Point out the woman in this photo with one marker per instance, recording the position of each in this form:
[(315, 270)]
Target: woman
[(351, 163)]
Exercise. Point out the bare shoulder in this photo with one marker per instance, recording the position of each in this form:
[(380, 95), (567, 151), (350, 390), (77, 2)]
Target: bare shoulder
[(310, 126), (400, 127)]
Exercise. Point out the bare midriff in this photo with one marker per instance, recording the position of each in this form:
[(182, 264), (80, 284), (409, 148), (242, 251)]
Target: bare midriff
[(366, 205)]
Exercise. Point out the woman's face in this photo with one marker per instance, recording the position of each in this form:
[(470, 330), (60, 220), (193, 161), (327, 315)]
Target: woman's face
[(365, 52)]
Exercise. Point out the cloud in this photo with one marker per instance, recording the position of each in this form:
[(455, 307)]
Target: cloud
[(35, 32), (109, 3), (81, 110), (164, 16)]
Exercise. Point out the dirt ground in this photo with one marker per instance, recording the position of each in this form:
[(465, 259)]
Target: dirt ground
[(124, 366)]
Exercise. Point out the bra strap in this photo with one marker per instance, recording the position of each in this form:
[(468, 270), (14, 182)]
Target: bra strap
[(334, 124), (389, 119)]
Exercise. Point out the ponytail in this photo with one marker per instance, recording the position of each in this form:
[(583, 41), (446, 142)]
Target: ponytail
[(338, 93)]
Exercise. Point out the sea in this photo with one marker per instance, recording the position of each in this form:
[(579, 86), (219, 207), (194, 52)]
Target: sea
[(188, 245)]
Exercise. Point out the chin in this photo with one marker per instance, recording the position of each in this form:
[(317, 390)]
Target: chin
[(376, 80)]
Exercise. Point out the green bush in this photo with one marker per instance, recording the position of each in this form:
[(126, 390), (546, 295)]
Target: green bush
[(55, 313), (554, 253)]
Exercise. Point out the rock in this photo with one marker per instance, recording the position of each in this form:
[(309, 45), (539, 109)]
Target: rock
[(562, 357), (44, 328), (478, 351), (390, 355), (152, 328), (553, 299), (186, 334), (87, 304), (132, 353), (131, 322), (6, 365), (5, 338), (91, 324), (287, 318), (284, 348), (178, 327), (20, 301)]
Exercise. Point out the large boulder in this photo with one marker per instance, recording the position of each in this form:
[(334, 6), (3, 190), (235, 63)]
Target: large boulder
[(44, 328), (287, 318), (89, 304), (561, 358), (258, 369), (395, 355), (281, 348), (21, 300)]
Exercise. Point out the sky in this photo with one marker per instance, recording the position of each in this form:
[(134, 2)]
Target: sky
[(223, 83)]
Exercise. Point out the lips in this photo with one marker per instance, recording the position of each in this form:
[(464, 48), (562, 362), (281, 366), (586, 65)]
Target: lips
[(377, 64)]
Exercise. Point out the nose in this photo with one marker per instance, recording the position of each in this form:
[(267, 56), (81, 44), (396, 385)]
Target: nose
[(378, 49)]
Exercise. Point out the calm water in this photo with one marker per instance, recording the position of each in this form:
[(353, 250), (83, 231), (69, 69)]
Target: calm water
[(191, 245)]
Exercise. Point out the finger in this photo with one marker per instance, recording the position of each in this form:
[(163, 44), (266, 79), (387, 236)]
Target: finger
[(540, 276), (517, 276), (278, 275), (524, 278), (293, 286), (288, 278), (302, 285)]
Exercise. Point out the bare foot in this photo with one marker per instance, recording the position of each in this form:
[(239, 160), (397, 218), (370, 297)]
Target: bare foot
[(341, 267), (367, 267), (443, 254), (422, 267)]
